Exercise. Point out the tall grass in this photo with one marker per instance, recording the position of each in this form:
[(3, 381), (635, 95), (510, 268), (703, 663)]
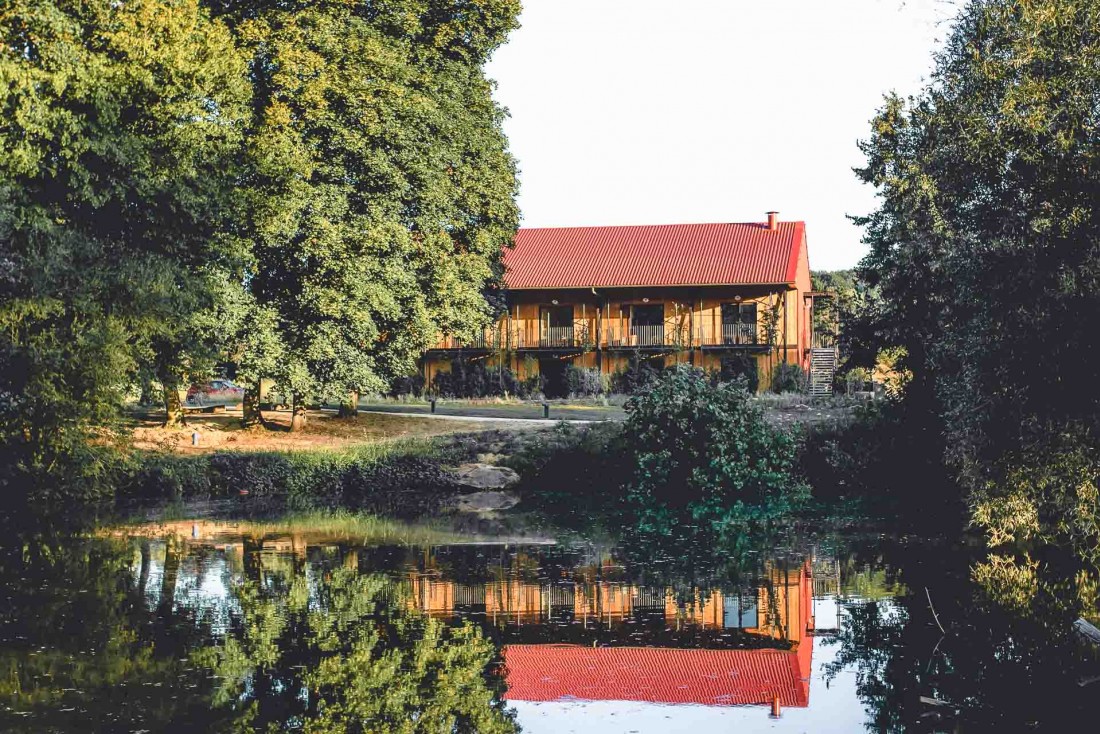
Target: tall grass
[(315, 526)]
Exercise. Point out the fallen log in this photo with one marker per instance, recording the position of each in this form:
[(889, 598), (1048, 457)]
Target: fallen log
[(1087, 630)]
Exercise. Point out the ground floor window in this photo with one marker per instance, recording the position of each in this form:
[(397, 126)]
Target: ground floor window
[(552, 371), (744, 366)]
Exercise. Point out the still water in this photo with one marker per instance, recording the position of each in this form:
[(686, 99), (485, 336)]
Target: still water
[(221, 626)]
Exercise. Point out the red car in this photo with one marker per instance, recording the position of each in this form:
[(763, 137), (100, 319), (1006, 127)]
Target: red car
[(216, 393)]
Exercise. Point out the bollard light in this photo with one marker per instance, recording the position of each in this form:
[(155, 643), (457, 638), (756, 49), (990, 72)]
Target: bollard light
[(546, 410), (195, 438)]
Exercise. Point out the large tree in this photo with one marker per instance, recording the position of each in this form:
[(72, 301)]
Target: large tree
[(985, 248), (120, 125), (382, 190)]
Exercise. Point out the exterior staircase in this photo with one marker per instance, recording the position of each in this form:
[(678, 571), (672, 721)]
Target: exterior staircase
[(823, 362)]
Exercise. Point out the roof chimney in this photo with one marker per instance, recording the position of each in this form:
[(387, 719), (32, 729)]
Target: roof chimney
[(773, 222)]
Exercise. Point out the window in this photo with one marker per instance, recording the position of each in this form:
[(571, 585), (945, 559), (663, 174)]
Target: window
[(739, 323), (556, 326)]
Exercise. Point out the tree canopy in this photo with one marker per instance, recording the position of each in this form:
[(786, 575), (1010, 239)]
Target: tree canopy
[(985, 247), (382, 190), (121, 126), (309, 192)]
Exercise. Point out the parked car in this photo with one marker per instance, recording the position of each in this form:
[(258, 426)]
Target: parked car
[(208, 396)]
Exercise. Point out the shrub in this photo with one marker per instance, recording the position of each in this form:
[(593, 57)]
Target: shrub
[(635, 377), (788, 378), (407, 385), (1048, 493), (738, 367), (470, 379), (705, 454), (583, 382)]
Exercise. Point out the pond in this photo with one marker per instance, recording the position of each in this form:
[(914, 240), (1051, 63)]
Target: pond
[(202, 625)]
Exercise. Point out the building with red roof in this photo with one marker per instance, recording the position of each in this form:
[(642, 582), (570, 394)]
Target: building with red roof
[(729, 297)]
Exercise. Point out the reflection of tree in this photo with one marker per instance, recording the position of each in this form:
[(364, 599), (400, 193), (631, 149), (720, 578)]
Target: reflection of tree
[(347, 655), (869, 640), (81, 642), (1006, 660), (77, 644)]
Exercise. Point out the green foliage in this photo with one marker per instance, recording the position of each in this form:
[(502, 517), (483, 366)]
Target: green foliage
[(402, 480), (636, 376), (705, 455), (306, 192), (739, 367), (985, 248), (1047, 497), (873, 458), (788, 378), (381, 192), (407, 385), (837, 313), (474, 379), (347, 656), (121, 126), (582, 382)]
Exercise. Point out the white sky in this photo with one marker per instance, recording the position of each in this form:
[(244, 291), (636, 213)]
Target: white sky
[(658, 112)]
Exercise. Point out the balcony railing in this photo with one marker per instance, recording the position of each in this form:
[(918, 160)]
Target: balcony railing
[(581, 335), (648, 335), (557, 337), (740, 334), (493, 339)]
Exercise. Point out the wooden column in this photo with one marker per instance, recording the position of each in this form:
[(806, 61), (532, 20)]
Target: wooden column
[(786, 341), (599, 340)]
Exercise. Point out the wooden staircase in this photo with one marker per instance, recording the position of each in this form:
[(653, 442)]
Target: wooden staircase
[(823, 362)]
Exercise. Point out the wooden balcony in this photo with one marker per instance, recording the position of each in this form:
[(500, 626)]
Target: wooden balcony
[(731, 335), (494, 339), (613, 337)]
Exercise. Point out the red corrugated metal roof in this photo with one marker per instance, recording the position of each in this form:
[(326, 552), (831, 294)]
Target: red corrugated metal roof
[(657, 255), (659, 675)]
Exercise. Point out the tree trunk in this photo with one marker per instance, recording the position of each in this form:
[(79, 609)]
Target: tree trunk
[(350, 407), (173, 408), (297, 413), (251, 415), (148, 393), (172, 557)]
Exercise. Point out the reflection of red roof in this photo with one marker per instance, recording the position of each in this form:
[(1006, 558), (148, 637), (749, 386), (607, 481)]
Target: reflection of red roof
[(659, 675), (655, 255)]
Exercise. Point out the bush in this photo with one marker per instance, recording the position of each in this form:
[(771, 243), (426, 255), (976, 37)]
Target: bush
[(1049, 493), (635, 377), (788, 378), (402, 482), (469, 379), (705, 454), (407, 385), (583, 382), (738, 367)]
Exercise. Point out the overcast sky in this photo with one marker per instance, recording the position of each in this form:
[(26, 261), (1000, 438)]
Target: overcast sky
[(659, 112)]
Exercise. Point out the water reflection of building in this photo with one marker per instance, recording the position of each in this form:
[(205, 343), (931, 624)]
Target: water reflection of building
[(569, 628), (649, 667)]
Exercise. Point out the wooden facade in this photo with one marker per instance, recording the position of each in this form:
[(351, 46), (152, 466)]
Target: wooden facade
[(605, 327)]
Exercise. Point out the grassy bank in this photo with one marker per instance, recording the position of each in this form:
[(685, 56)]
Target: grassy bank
[(312, 527), (398, 478)]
